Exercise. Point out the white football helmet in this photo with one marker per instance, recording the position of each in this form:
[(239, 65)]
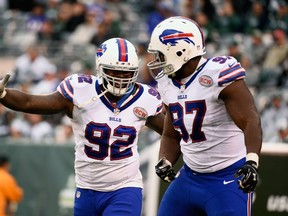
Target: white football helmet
[(174, 42), (120, 55)]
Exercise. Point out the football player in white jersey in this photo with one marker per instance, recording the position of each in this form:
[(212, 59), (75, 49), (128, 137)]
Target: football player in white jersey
[(211, 119), (107, 112)]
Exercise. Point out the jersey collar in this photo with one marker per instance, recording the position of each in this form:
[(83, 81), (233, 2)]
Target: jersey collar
[(124, 102), (183, 86)]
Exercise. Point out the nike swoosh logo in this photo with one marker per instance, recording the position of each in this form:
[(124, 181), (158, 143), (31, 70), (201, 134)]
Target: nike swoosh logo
[(227, 182), (230, 65)]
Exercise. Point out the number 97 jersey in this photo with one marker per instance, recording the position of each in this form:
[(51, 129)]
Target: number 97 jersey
[(210, 140), (106, 134)]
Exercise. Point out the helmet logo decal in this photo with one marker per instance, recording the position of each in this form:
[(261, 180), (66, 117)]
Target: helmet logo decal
[(101, 50), (171, 36), (122, 50)]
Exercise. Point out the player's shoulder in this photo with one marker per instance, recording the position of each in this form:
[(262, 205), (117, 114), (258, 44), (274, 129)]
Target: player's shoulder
[(218, 63), (149, 92), (78, 88), (150, 99), (80, 80), (225, 69)]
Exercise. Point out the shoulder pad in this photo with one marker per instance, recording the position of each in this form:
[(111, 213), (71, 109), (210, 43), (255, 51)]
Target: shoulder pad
[(229, 69), (68, 85), (81, 80), (152, 98)]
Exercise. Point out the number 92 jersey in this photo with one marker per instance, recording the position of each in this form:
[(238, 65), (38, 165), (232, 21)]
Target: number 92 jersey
[(210, 140), (106, 134)]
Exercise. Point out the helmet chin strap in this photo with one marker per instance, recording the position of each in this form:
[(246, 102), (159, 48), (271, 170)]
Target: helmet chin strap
[(108, 89), (93, 99)]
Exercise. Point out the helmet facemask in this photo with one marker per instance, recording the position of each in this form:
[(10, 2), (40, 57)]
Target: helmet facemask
[(158, 66), (116, 85)]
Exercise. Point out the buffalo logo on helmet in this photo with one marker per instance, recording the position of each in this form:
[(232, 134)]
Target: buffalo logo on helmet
[(171, 36), (101, 50)]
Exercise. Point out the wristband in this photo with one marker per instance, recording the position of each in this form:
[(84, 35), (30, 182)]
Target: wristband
[(3, 94), (253, 157)]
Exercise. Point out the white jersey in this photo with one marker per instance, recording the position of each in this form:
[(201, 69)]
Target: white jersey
[(210, 140), (106, 135)]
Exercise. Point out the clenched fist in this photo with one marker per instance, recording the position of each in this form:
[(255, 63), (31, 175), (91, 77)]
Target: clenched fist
[(164, 170)]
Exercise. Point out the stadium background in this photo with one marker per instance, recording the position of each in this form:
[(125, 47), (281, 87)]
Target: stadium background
[(67, 33)]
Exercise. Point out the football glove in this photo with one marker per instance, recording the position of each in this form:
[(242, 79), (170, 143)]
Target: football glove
[(3, 83), (249, 173), (164, 170)]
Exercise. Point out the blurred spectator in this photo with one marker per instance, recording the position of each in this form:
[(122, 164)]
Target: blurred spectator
[(3, 4), (63, 16), (278, 52), (163, 9), (5, 120), (40, 131), (85, 31), (274, 58), (64, 132), (78, 14), (256, 18), (52, 9), (49, 82), (33, 127), (256, 49), (282, 128), (252, 71), (97, 8), (62, 72), (208, 8), (108, 28), (279, 16), (47, 33), (20, 127), (36, 18), (101, 35), (10, 192), (253, 59), (229, 21), (190, 8), (31, 66), (283, 78), (271, 115), (242, 7), (208, 26), (234, 50)]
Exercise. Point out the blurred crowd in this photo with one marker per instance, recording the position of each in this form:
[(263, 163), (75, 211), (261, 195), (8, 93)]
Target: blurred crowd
[(52, 39)]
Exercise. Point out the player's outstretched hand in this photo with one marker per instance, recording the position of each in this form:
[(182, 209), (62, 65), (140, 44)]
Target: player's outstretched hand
[(249, 173), (164, 170), (3, 83)]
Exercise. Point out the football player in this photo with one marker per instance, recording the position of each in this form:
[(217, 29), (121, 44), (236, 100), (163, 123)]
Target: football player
[(107, 112), (211, 119)]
